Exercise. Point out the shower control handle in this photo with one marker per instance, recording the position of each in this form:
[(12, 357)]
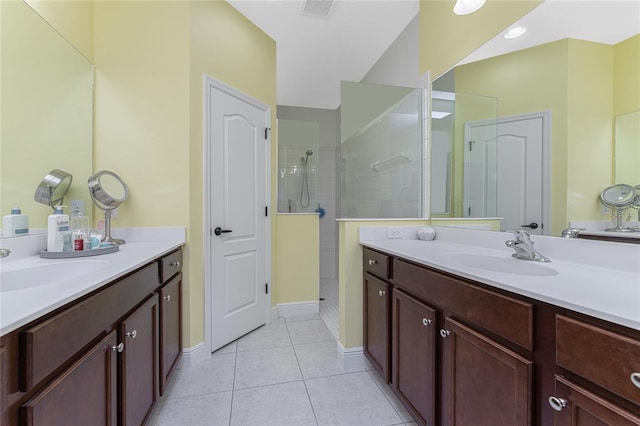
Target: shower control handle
[(220, 231)]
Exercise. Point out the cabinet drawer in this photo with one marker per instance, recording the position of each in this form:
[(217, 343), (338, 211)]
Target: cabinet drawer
[(376, 263), (48, 345), (605, 358), (170, 265), (508, 317)]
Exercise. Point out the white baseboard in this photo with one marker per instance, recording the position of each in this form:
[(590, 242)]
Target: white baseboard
[(192, 356), (297, 309), (352, 357)]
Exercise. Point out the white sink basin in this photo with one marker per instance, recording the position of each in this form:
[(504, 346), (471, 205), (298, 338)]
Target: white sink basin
[(505, 265), (29, 276)]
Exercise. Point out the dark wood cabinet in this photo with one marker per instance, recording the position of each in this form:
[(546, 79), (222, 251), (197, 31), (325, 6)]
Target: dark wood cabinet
[(170, 328), (377, 316), (483, 383), (414, 355), (83, 394), (139, 363), (576, 406), (97, 360)]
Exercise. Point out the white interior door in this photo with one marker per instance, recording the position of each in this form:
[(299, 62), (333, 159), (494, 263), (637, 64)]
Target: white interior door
[(507, 172), (238, 179)]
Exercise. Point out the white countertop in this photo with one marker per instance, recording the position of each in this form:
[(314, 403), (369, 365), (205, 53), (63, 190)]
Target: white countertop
[(609, 290), (19, 307)]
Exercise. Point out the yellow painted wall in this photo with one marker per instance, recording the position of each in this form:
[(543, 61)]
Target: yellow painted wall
[(298, 257), (626, 86), (446, 38), (72, 19)]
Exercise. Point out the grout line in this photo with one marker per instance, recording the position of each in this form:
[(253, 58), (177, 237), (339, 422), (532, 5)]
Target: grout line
[(295, 353), (233, 386), (393, 405)]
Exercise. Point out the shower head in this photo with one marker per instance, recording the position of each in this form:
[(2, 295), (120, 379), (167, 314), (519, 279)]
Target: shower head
[(309, 152)]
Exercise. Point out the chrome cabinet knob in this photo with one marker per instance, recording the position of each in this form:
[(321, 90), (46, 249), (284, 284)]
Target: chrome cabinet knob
[(132, 334), (381, 293), (557, 403), (426, 321), (118, 348), (372, 262), (176, 263), (444, 333), (167, 298), (635, 379)]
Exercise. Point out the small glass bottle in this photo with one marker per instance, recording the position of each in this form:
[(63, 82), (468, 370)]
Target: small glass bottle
[(79, 225)]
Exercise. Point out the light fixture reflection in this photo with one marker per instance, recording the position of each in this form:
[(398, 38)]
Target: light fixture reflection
[(465, 7), (514, 32)]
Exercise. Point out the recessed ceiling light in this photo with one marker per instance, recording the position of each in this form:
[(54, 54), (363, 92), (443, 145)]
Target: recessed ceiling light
[(320, 8), (465, 7), (514, 32)]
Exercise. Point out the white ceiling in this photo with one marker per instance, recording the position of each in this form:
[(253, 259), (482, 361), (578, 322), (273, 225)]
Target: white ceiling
[(314, 54)]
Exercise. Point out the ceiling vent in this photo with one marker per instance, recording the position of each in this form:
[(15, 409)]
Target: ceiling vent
[(321, 8)]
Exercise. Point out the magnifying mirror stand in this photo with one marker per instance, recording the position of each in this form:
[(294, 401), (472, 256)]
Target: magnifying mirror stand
[(618, 227), (107, 230)]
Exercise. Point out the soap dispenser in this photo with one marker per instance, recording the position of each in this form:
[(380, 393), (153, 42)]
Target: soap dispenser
[(15, 224), (58, 234)]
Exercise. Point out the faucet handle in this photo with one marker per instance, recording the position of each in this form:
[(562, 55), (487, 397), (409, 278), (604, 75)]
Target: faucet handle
[(521, 236)]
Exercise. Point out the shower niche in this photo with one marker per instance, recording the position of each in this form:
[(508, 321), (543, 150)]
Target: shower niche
[(298, 143)]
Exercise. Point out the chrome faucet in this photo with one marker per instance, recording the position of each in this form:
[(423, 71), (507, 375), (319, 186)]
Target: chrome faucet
[(571, 232), (4, 252), (523, 246)]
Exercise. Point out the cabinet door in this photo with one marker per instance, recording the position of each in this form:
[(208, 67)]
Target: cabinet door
[(139, 363), (483, 383), (170, 328), (414, 355), (84, 394), (377, 323), (576, 406)]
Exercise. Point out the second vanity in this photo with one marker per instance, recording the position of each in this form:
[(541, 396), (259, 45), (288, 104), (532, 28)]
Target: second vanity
[(93, 347), (466, 334)]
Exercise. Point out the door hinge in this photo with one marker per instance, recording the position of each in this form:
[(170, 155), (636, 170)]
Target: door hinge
[(469, 211), (266, 133), (266, 288), (266, 211), (471, 145)]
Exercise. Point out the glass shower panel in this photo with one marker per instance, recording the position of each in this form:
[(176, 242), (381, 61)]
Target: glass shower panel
[(297, 166), (381, 166)]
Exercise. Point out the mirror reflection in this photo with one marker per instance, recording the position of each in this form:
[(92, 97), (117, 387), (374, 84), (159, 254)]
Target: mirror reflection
[(570, 91), (47, 116)]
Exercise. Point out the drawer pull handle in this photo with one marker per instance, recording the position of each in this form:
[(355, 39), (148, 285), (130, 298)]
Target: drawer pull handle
[(381, 293), (426, 321), (444, 333), (176, 264), (635, 379), (132, 334), (118, 348), (557, 403), (167, 298), (372, 262)]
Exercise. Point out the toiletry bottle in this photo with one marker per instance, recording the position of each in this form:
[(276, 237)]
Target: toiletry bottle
[(79, 224), (15, 224), (57, 231)]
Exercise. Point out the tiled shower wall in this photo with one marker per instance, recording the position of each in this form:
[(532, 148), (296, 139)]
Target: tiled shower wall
[(326, 176)]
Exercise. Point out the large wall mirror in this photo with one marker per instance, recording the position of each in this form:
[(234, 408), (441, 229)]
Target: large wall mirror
[(561, 85), (47, 112)]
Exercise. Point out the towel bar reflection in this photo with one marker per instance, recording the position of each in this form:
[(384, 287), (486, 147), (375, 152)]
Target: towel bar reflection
[(404, 155)]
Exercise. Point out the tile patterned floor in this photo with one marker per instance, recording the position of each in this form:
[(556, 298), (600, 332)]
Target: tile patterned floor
[(284, 373), (329, 306)]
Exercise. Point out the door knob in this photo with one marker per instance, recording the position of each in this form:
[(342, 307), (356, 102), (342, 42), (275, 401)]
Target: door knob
[(372, 262), (132, 334), (532, 225), (444, 333), (426, 321), (381, 293), (557, 403), (635, 379), (118, 348), (220, 231)]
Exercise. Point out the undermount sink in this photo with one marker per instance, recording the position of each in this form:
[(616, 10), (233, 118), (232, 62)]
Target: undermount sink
[(24, 277), (506, 265)]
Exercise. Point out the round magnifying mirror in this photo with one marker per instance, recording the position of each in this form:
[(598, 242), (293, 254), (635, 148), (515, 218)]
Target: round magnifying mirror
[(108, 191), (53, 188), (618, 196)]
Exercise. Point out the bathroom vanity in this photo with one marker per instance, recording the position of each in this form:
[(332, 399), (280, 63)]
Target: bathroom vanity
[(104, 356), (457, 348)]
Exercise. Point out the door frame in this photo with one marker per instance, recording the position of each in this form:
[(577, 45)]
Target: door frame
[(546, 116), (208, 83)]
